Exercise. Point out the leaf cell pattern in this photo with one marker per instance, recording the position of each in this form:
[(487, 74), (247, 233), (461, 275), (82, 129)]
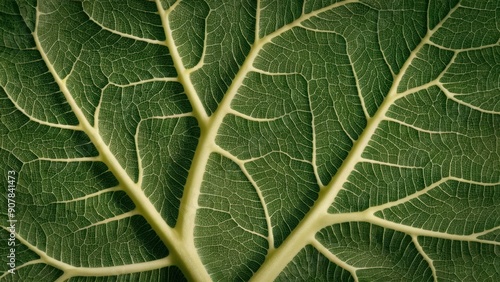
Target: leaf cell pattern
[(323, 140)]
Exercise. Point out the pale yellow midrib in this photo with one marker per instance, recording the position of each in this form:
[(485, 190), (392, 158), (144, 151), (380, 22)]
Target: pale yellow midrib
[(312, 222), (142, 203), (187, 258), (209, 127)]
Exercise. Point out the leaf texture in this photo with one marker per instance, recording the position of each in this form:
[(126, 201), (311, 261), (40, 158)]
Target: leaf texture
[(310, 140)]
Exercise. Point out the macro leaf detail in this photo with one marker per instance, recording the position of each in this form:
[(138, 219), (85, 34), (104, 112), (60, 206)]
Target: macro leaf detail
[(267, 140)]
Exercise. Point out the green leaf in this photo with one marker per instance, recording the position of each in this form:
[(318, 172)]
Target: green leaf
[(311, 140)]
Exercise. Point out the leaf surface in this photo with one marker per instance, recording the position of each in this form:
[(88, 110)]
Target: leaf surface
[(251, 140)]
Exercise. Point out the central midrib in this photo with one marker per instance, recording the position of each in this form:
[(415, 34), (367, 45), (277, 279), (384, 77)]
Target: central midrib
[(312, 222)]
